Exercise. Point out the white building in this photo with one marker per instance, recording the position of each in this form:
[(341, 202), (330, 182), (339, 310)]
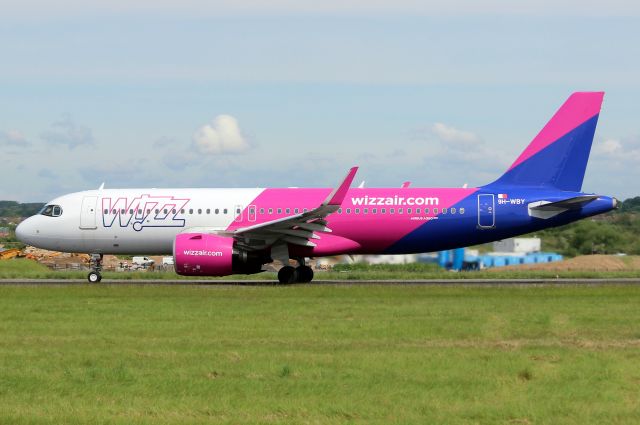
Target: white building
[(518, 245), (386, 259)]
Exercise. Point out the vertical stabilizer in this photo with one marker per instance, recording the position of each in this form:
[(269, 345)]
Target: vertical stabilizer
[(557, 157)]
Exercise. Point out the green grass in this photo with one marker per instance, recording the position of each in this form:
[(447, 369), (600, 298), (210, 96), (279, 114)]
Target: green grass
[(319, 355), (28, 269)]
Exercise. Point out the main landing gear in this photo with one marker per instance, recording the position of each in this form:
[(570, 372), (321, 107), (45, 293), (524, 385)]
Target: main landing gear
[(300, 274), (95, 263)]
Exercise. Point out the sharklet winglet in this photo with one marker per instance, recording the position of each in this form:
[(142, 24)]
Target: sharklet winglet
[(337, 195)]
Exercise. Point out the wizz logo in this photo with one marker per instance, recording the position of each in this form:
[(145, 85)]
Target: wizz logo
[(143, 211)]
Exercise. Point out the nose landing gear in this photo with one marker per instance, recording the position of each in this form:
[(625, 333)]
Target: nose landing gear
[(95, 263)]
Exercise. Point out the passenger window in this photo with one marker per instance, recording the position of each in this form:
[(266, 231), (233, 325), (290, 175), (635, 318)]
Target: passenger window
[(339, 210), (270, 210), (383, 210), (444, 211), (199, 211), (435, 211), (374, 211), (252, 210), (279, 210), (357, 210), (140, 211), (148, 211), (399, 210), (190, 210), (365, 211), (182, 211), (173, 211), (261, 211), (165, 211), (426, 210), (408, 210), (122, 211), (238, 211), (217, 211), (348, 210), (392, 211), (224, 211), (304, 210), (106, 211), (453, 210), (288, 210), (417, 210), (461, 210), (208, 211)]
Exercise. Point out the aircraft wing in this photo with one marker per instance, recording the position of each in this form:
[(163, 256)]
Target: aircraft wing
[(297, 229)]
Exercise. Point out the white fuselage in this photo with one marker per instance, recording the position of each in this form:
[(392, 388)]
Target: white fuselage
[(133, 221)]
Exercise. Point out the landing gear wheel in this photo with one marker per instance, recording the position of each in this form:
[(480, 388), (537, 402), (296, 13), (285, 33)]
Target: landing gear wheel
[(305, 274), (287, 274), (95, 262)]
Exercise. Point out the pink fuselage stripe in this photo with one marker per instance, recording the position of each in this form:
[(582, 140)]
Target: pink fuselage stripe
[(373, 232), (579, 108)]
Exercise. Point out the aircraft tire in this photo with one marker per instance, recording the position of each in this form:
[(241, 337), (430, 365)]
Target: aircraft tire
[(305, 274), (94, 277), (287, 274)]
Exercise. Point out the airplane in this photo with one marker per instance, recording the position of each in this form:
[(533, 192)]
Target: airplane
[(218, 232)]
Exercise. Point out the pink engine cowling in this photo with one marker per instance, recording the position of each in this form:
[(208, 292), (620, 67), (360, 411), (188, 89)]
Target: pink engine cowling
[(202, 254)]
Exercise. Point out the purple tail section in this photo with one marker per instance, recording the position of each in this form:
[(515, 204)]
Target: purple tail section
[(557, 157)]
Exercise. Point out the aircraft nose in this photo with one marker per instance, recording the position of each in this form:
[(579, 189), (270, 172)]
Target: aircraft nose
[(24, 231)]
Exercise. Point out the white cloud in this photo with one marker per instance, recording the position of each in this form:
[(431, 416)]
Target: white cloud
[(619, 150), (453, 136), (67, 132), (13, 138), (608, 147), (221, 136)]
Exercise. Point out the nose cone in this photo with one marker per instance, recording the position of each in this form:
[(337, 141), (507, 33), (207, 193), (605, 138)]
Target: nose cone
[(24, 231)]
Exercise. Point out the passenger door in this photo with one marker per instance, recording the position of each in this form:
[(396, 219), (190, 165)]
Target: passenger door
[(88, 213)]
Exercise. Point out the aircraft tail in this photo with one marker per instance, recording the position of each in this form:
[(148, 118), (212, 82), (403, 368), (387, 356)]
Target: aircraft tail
[(557, 157)]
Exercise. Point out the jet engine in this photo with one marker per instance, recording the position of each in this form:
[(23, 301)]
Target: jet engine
[(203, 254)]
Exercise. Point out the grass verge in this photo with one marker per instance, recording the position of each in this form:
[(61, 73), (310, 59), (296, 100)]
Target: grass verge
[(28, 269), (319, 355)]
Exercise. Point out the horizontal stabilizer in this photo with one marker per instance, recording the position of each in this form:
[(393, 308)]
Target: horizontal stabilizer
[(545, 209), (569, 204)]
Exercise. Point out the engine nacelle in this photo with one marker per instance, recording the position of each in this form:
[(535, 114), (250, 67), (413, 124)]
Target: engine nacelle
[(203, 254)]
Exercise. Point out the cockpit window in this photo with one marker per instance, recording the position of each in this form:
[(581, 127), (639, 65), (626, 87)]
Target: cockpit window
[(51, 210)]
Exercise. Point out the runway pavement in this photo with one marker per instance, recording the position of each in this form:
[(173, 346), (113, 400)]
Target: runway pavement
[(489, 282)]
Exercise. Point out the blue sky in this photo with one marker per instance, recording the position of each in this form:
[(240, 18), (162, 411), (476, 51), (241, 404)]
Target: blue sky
[(237, 94)]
